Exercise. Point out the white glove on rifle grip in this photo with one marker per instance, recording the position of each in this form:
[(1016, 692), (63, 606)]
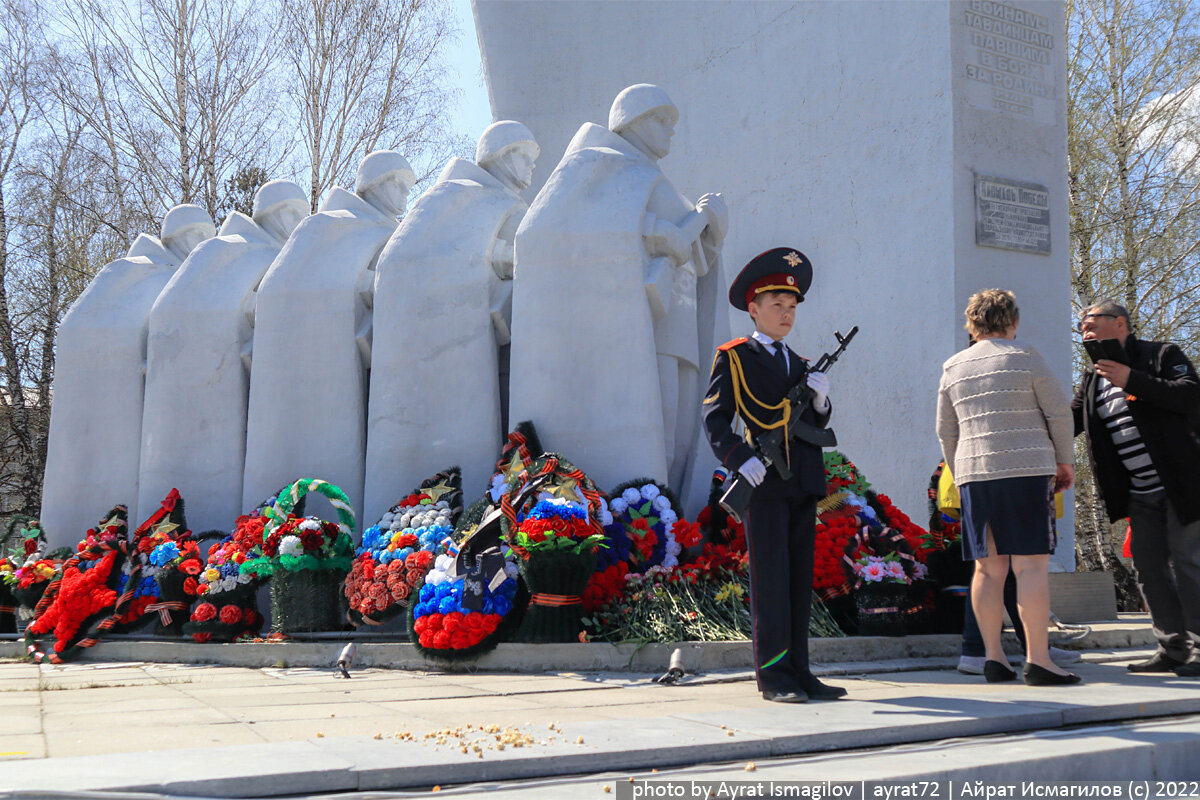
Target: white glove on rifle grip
[(754, 470), (819, 383)]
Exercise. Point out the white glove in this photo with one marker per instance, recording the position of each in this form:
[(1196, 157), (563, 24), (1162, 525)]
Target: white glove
[(754, 470), (819, 383)]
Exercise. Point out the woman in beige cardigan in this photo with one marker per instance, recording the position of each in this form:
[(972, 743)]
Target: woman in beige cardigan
[(1005, 425)]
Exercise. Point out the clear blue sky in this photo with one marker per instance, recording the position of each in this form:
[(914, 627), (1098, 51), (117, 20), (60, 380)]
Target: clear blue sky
[(472, 114)]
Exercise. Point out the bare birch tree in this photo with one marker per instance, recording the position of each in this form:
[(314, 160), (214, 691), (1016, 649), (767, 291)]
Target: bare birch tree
[(1133, 77), (365, 75), (22, 62), (177, 95)]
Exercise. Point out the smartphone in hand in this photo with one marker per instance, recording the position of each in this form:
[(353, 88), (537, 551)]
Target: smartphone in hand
[(1110, 349)]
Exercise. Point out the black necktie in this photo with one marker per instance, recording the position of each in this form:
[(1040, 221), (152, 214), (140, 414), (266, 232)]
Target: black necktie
[(781, 357)]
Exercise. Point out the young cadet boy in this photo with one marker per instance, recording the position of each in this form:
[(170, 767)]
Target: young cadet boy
[(750, 379)]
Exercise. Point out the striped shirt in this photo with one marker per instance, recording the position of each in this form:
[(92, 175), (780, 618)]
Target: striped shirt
[(1112, 408)]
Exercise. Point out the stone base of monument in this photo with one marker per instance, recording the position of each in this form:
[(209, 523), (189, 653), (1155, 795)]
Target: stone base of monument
[(847, 655), (1083, 596)]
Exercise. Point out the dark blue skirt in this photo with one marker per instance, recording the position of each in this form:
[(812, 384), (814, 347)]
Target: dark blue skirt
[(1019, 511)]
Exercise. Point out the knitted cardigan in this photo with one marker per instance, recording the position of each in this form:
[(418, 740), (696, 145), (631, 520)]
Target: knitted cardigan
[(1002, 413)]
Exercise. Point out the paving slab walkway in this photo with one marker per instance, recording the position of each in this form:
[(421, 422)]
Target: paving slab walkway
[(221, 731)]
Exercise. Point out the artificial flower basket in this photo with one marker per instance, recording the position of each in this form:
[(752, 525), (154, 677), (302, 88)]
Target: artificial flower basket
[(30, 595), (20, 550), (553, 522), (227, 598), (400, 550), (226, 615), (460, 612), (292, 547), (888, 582)]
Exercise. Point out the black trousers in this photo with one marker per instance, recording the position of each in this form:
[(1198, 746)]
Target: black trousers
[(780, 534), (1166, 554)]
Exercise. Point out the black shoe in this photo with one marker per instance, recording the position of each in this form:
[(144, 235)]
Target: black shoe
[(997, 672), (785, 696), (1189, 668), (823, 691), (1040, 676), (1159, 662)]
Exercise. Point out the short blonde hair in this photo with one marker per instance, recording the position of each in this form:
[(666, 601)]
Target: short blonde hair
[(991, 311)]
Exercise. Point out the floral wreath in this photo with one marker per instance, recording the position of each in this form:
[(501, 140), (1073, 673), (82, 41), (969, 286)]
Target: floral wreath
[(398, 552), (78, 606), (161, 546)]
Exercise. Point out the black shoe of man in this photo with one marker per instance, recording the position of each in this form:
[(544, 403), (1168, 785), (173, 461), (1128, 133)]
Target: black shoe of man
[(1189, 668), (823, 691), (1159, 662), (785, 695)]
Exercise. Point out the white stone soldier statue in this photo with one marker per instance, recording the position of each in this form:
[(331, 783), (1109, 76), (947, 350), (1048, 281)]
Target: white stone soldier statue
[(197, 365), (611, 303), (442, 300), (312, 338), (99, 382)]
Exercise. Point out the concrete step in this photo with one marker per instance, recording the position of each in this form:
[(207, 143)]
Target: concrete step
[(1131, 630)]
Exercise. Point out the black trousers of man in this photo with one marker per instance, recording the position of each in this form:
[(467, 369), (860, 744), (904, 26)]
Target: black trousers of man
[(780, 535)]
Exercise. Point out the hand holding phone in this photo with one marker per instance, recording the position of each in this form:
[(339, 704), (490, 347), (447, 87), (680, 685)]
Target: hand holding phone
[(1106, 349)]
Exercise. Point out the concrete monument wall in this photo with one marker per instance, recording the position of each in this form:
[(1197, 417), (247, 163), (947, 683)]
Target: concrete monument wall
[(857, 132)]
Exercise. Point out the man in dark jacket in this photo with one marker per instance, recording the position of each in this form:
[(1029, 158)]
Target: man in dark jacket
[(750, 379), (1145, 455)]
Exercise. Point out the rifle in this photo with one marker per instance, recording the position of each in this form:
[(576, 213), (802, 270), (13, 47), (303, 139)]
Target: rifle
[(770, 447)]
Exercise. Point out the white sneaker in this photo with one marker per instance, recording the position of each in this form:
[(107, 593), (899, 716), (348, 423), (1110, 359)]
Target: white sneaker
[(971, 665), (1060, 656)]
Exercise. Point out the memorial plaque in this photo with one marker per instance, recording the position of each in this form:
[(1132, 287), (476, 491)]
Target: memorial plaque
[(1013, 215)]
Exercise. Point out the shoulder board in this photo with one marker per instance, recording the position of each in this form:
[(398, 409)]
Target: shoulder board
[(802, 358), (732, 343)]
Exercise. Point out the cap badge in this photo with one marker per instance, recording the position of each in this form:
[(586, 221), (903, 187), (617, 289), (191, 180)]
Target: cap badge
[(791, 281), (793, 260)]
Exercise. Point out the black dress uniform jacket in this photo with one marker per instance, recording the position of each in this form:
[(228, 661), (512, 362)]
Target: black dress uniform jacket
[(766, 381), (1164, 401)]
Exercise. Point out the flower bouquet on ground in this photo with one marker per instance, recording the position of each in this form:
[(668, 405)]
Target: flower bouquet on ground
[(646, 532), (399, 551), (31, 579), (707, 599), (889, 587), (849, 507), (140, 600), (79, 604), (306, 559)]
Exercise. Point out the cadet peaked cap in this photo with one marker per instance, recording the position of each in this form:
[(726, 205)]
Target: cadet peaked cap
[(781, 269)]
